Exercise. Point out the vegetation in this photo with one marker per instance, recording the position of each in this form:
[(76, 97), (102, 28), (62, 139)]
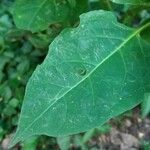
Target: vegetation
[(72, 66)]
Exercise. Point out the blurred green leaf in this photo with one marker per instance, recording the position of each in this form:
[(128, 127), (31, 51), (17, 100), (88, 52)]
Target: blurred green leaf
[(37, 15), (45, 13), (5, 22), (9, 111), (15, 34), (1, 75), (1, 133), (14, 102), (30, 144), (78, 142), (26, 47), (145, 34), (88, 135), (40, 40), (146, 105), (15, 120), (23, 67), (132, 2), (64, 142), (72, 3), (5, 92), (96, 131), (103, 129), (145, 145), (3, 61)]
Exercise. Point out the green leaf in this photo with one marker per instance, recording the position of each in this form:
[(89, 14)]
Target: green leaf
[(36, 15), (78, 142), (5, 92), (72, 3), (23, 66), (132, 2), (9, 111), (30, 144), (40, 40), (146, 105), (91, 74), (14, 102), (64, 142), (88, 135), (145, 34), (96, 131), (145, 145)]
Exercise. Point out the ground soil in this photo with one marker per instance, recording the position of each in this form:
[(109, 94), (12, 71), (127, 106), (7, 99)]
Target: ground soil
[(127, 133)]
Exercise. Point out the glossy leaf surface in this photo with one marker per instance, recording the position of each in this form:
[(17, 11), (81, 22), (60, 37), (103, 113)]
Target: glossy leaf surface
[(91, 74)]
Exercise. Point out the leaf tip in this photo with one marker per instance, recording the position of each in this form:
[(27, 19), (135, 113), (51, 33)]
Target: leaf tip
[(14, 140)]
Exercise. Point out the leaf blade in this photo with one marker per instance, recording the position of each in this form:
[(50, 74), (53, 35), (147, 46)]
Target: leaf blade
[(146, 105), (82, 82), (37, 15), (132, 2)]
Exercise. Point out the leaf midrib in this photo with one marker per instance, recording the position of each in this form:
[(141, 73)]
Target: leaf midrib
[(104, 60)]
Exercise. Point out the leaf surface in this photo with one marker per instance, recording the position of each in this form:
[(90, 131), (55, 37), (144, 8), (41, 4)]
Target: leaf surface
[(146, 105), (91, 74), (37, 15), (133, 2)]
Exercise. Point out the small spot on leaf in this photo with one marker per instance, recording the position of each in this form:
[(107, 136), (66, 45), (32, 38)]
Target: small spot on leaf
[(82, 71)]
